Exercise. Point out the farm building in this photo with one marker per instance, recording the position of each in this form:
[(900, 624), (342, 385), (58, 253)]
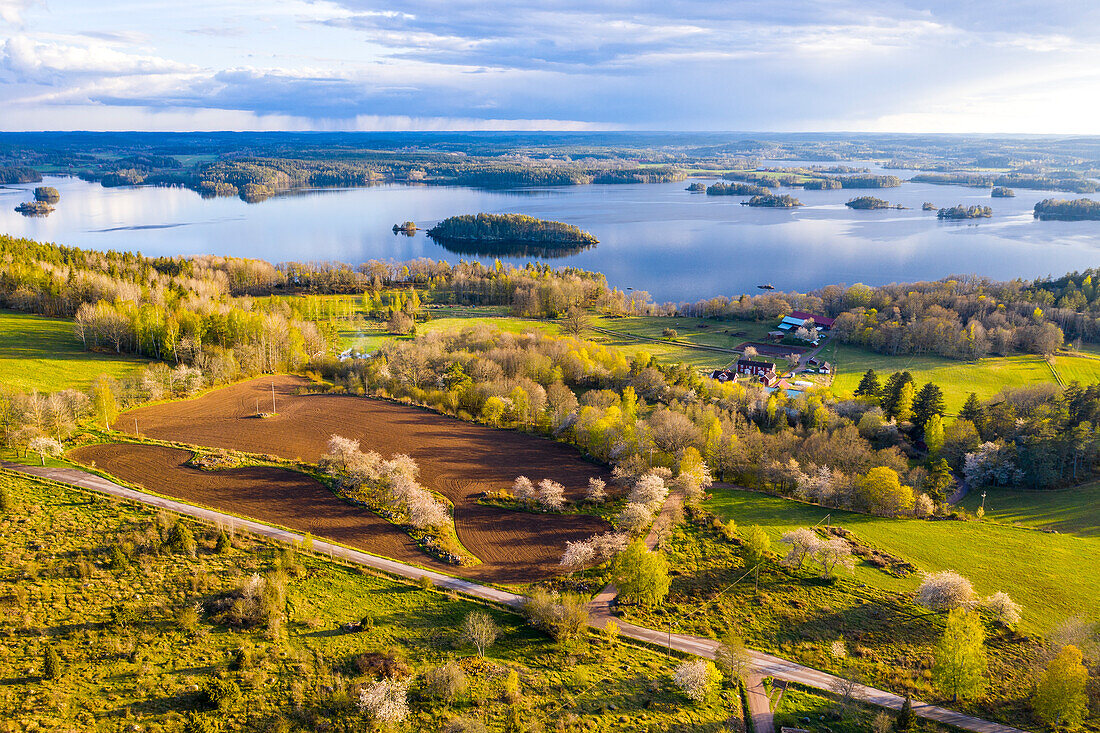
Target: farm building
[(800, 318), (754, 368), (820, 366), (723, 375)]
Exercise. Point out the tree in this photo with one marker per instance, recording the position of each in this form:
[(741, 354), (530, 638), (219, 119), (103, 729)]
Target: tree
[(933, 435), (928, 402), (732, 657), (880, 491), (51, 663), (945, 591), (972, 410), (596, 492), (697, 677), (479, 630), (103, 401), (940, 481), (906, 718), (551, 495), (833, 553), (1060, 694), (903, 405), (44, 446), (576, 321), (755, 550), (959, 669), (634, 518), (447, 682), (641, 574), (804, 542), (891, 391), (1003, 608), (868, 385)]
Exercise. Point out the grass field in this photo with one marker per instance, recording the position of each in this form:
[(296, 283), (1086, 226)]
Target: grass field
[(724, 334), (1072, 511), (39, 353), (134, 655), (958, 379), (1054, 586)]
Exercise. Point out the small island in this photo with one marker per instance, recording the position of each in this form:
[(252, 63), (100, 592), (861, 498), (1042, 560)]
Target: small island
[(34, 208), (929, 206), (509, 229), (965, 212), (697, 187), (870, 202), (822, 184), (47, 194), (1067, 210), (1000, 192), (737, 189), (409, 228), (772, 201)]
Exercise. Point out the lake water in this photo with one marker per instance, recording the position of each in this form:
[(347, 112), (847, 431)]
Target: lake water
[(654, 237)]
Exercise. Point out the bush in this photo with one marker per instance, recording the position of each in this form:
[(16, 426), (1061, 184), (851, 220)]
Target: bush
[(390, 664), (117, 560), (219, 693), (447, 683), (697, 678), (6, 502), (223, 546), (945, 591), (180, 539)]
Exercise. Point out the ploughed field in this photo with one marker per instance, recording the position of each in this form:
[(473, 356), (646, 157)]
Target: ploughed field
[(458, 459)]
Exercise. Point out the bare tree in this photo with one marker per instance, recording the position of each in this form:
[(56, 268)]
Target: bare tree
[(479, 630), (576, 321)]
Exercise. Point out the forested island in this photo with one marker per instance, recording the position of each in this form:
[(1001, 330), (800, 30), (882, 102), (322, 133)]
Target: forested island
[(48, 194), (19, 174), (1000, 192), (408, 227), (965, 212), (1061, 181), (697, 187), (870, 202), (773, 201), (736, 189), (492, 229), (929, 206), (1068, 210), (34, 208)]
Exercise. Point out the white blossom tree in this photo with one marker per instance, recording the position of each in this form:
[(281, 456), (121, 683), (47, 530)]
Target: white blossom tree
[(386, 701), (697, 677), (597, 490), (45, 446), (1003, 608), (634, 518), (804, 543), (834, 553), (649, 490), (523, 489), (945, 591), (551, 495), (578, 555)]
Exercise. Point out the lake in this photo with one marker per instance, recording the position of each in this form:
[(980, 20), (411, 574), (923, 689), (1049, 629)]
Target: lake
[(655, 237)]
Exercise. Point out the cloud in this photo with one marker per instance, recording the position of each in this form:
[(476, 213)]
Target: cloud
[(11, 11), (25, 60)]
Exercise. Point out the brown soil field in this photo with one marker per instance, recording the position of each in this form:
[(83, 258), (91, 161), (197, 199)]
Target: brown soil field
[(456, 458)]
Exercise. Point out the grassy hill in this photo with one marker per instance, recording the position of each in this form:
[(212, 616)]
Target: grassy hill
[(42, 353)]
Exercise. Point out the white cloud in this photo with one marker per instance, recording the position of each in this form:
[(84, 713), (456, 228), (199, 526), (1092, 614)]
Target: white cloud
[(28, 60)]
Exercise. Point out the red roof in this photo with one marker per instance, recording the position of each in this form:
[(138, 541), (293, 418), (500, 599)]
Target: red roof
[(819, 320)]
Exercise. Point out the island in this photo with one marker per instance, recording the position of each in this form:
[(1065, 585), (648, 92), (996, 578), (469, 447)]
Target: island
[(929, 206), (19, 174), (773, 201), (408, 227), (500, 229), (34, 208), (697, 187), (47, 194), (1068, 210), (1000, 192), (822, 184), (870, 202), (737, 189), (965, 212)]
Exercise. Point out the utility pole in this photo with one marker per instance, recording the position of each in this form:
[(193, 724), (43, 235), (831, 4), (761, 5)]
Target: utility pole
[(983, 501)]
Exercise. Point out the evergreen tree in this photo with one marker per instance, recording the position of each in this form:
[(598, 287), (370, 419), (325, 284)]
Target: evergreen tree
[(928, 402), (868, 385), (888, 396), (51, 663), (223, 545), (960, 664), (973, 411), (906, 719), (940, 481)]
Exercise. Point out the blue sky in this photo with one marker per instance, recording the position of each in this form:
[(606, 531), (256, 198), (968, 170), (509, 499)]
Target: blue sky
[(785, 65)]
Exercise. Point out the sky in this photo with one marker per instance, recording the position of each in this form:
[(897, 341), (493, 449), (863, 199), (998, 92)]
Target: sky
[(992, 66)]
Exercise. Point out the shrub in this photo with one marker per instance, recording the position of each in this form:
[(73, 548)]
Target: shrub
[(219, 693), (386, 701), (390, 664), (117, 560), (1003, 608), (187, 619), (6, 502), (223, 546), (180, 539), (447, 683)]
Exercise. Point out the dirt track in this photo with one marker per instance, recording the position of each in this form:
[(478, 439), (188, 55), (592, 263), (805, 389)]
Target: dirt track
[(456, 458)]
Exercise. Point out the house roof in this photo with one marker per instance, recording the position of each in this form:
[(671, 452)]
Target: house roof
[(752, 363), (820, 320)]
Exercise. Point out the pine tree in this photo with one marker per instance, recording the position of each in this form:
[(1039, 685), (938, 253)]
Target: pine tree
[(940, 481), (888, 395), (973, 411), (868, 385), (51, 663), (928, 402), (905, 718), (223, 545)]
